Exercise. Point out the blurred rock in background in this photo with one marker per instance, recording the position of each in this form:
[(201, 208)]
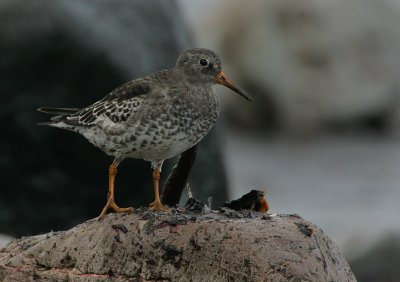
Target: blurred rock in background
[(70, 54), (380, 262), (4, 240), (311, 65)]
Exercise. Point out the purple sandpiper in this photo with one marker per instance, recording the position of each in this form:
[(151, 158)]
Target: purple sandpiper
[(154, 118)]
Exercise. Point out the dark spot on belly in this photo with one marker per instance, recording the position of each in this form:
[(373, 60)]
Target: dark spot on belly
[(143, 144)]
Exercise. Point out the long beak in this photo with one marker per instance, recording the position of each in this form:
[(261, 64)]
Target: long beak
[(223, 80)]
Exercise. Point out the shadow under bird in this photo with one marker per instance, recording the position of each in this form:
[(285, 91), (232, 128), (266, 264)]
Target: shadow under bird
[(154, 118)]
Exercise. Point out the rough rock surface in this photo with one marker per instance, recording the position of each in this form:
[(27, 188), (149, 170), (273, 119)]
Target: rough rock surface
[(220, 245)]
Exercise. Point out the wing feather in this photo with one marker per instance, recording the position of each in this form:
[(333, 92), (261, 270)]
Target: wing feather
[(118, 106)]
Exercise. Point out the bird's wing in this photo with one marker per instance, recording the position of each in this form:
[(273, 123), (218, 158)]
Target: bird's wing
[(118, 106)]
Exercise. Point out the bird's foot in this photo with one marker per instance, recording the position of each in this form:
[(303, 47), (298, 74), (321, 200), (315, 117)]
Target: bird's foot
[(113, 205), (157, 206)]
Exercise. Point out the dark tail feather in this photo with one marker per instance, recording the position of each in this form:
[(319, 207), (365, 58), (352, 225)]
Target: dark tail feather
[(46, 123), (58, 111), (59, 114)]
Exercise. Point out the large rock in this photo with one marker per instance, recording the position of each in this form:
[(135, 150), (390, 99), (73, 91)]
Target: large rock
[(179, 246), (70, 54)]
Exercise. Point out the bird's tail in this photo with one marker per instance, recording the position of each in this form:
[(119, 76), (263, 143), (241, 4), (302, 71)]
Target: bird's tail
[(58, 114), (58, 111)]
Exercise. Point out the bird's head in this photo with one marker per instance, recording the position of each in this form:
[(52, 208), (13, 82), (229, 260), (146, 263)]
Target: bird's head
[(204, 66)]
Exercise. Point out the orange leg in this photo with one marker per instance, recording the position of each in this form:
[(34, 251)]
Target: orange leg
[(156, 205), (112, 172)]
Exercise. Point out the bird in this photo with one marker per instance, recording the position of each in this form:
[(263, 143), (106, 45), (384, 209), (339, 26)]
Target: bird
[(154, 118)]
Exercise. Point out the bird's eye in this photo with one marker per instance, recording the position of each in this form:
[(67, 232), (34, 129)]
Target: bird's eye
[(203, 62)]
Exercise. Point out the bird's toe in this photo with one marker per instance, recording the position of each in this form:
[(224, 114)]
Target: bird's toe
[(157, 206)]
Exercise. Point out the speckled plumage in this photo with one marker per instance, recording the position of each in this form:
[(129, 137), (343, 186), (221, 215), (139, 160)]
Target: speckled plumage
[(154, 117)]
